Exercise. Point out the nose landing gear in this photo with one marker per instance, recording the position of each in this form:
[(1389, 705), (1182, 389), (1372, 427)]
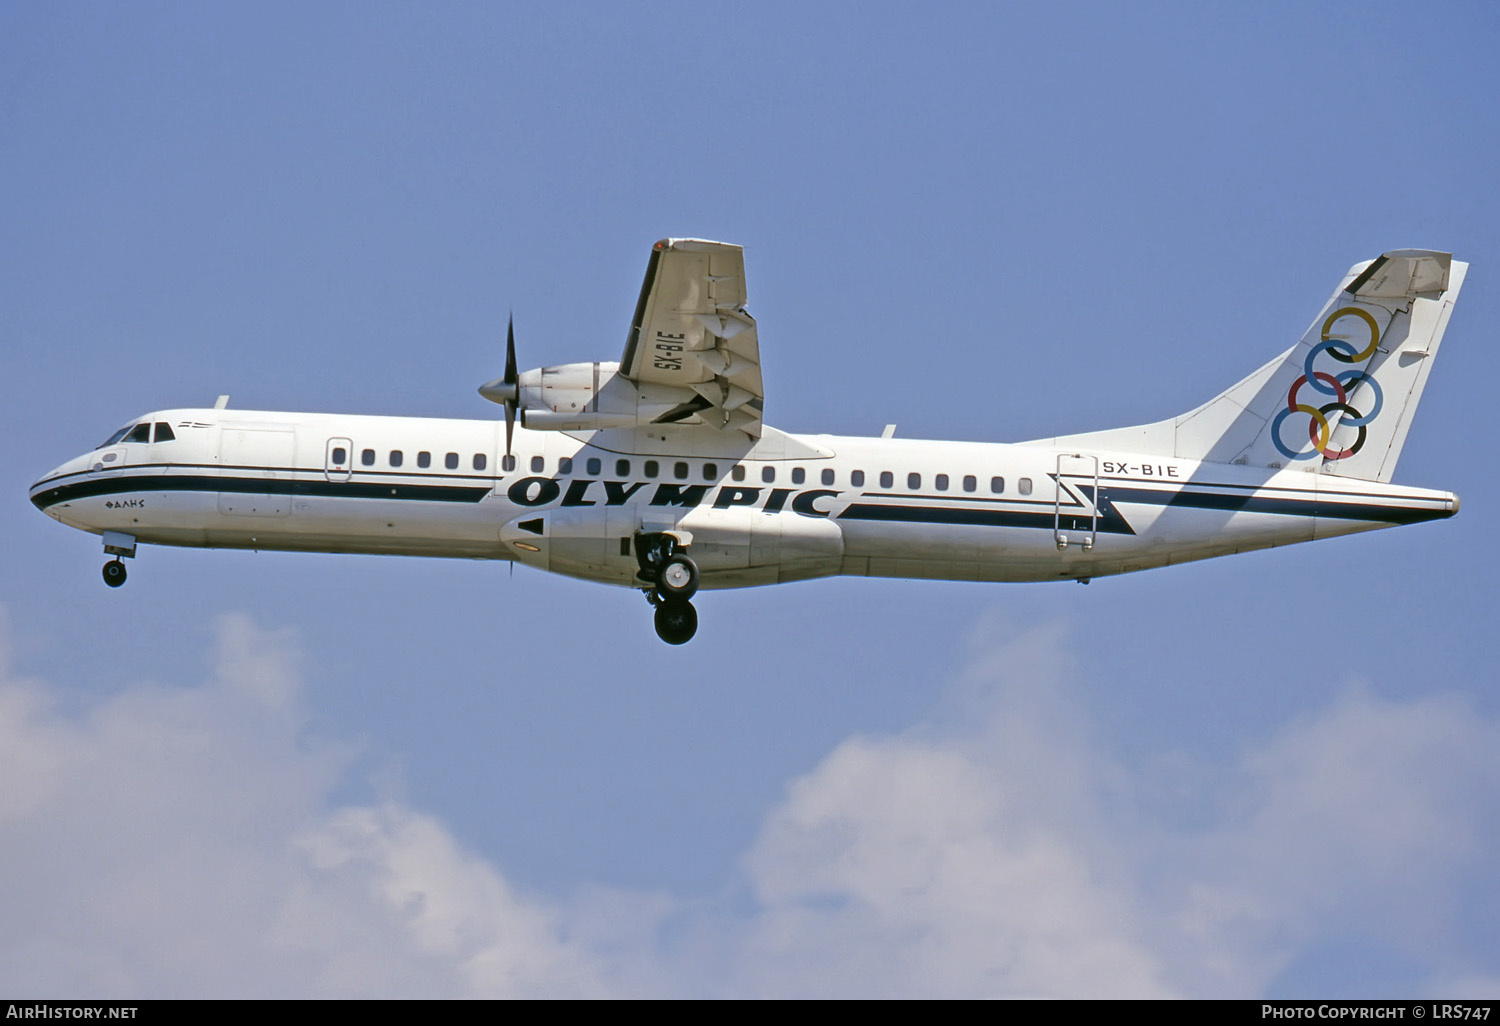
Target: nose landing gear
[(674, 581), (117, 545)]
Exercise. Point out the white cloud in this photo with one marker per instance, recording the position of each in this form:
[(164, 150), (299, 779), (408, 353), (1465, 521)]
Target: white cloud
[(184, 841), (444, 904), (902, 868), (1004, 853), (1366, 820), (963, 860), (181, 842)]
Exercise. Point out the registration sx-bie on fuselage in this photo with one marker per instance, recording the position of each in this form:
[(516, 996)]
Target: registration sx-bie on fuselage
[(658, 473)]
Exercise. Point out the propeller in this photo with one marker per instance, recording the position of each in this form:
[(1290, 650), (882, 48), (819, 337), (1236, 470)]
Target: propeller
[(506, 390), (511, 381)]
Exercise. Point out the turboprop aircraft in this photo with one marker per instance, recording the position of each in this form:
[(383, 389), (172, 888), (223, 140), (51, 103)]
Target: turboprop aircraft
[(659, 473)]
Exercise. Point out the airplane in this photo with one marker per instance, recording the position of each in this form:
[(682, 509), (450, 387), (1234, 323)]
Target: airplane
[(659, 472)]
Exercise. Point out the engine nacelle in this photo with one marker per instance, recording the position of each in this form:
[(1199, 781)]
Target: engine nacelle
[(584, 420), (568, 388), (591, 397), (577, 397)]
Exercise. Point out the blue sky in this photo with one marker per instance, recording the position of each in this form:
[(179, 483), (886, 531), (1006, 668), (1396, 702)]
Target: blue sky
[(1276, 774)]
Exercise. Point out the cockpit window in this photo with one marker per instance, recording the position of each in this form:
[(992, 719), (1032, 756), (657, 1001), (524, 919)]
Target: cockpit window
[(112, 439), (139, 433), (164, 432)]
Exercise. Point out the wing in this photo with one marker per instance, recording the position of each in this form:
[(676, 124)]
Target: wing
[(691, 331)]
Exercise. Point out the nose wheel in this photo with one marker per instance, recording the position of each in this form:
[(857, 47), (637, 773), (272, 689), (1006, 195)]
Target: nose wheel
[(114, 573)]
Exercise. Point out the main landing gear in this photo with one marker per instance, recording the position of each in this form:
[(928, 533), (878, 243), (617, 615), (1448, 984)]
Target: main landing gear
[(673, 580), (676, 620)]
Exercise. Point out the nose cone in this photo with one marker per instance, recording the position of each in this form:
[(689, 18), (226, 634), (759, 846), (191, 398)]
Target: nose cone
[(45, 493), (1453, 505), (51, 492)]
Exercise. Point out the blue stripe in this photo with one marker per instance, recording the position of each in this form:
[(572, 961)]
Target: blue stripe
[(118, 484)]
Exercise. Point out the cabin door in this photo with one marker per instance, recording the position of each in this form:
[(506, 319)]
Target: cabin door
[(338, 460)]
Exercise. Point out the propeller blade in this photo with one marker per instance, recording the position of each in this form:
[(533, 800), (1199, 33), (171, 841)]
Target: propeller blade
[(511, 379), (510, 351)]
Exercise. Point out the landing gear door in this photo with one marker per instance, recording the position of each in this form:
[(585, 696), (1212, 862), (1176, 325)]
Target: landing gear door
[(1075, 515), (338, 460)]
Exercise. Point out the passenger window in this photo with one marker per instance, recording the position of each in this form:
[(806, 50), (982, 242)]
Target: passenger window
[(680, 470), (651, 468), (887, 479), (339, 456), (164, 432), (141, 433), (828, 477), (970, 483), (997, 485), (914, 481), (738, 473), (798, 475), (622, 468), (480, 461), (451, 461), (856, 478), (942, 482), (593, 465), (1025, 486), (395, 457), (565, 465), (507, 463), (710, 471), (424, 459), (367, 457), (538, 464), (768, 474)]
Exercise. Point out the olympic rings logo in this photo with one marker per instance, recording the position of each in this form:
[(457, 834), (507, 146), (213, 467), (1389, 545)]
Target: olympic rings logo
[(1336, 386)]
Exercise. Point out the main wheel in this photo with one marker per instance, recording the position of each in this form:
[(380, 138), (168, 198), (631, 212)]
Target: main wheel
[(678, 578), (676, 621), (114, 573)]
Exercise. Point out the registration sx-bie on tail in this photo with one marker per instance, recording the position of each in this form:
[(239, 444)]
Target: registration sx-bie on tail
[(659, 473)]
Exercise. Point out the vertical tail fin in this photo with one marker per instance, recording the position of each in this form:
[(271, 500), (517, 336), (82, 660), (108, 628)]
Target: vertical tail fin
[(1343, 396)]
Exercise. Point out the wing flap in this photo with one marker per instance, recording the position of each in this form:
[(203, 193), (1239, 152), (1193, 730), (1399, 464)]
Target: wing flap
[(691, 330)]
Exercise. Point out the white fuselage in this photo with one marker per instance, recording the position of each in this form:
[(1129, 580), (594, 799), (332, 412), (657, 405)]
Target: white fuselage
[(783, 508)]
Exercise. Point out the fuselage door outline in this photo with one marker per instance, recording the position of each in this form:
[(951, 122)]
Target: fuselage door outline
[(338, 470)]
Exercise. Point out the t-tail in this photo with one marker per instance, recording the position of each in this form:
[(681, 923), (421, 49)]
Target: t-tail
[(1341, 399)]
